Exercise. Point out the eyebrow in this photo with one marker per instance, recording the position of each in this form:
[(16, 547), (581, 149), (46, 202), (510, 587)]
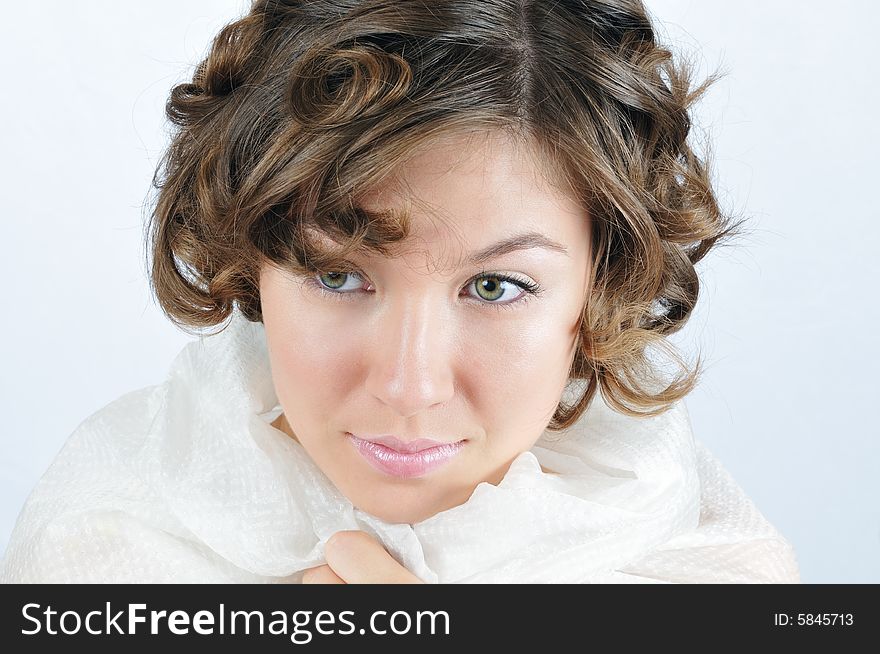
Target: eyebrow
[(524, 241)]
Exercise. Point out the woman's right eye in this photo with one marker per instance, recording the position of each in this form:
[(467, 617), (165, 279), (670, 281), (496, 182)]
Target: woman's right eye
[(336, 280), (334, 283)]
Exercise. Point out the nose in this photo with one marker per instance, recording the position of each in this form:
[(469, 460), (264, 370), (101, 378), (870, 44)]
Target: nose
[(410, 367)]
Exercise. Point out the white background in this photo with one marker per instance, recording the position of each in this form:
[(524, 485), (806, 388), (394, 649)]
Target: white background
[(787, 320)]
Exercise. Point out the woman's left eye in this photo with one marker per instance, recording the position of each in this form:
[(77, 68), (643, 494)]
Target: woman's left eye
[(491, 288)]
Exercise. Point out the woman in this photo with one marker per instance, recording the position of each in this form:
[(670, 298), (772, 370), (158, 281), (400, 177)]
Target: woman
[(446, 242)]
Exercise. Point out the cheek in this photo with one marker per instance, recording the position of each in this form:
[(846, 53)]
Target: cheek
[(535, 349), (309, 354), (307, 370), (516, 374)]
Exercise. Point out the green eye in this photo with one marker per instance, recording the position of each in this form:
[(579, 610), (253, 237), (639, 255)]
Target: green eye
[(336, 279), (492, 286)]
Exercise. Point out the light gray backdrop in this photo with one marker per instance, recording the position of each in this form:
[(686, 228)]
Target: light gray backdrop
[(787, 321)]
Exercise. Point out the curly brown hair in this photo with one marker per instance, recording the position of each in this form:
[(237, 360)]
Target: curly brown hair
[(299, 107)]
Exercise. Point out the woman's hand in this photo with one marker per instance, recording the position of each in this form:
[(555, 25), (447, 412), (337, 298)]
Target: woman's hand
[(355, 557)]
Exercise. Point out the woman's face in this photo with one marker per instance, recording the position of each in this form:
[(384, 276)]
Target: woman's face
[(428, 343)]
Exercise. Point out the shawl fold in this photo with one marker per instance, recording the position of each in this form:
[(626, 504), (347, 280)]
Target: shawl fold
[(187, 481)]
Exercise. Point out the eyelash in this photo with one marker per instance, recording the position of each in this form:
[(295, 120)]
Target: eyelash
[(531, 289)]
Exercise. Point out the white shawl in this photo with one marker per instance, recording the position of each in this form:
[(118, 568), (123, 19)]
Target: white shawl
[(187, 481)]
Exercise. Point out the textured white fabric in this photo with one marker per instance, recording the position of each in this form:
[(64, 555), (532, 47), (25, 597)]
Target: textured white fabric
[(187, 481)]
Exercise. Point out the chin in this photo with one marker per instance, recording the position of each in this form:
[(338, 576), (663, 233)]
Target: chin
[(404, 501), (406, 505), (396, 513)]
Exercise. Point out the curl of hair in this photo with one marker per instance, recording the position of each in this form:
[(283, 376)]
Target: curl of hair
[(299, 107)]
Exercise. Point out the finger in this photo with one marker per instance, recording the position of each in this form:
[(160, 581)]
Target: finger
[(358, 558), (323, 574)]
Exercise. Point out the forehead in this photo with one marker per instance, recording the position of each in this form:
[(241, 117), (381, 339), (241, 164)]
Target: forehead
[(470, 191)]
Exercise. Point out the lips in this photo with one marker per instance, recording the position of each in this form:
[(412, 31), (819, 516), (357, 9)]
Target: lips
[(391, 461), (405, 447)]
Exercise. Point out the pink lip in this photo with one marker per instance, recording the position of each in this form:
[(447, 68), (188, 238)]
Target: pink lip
[(394, 457), (406, 447)]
